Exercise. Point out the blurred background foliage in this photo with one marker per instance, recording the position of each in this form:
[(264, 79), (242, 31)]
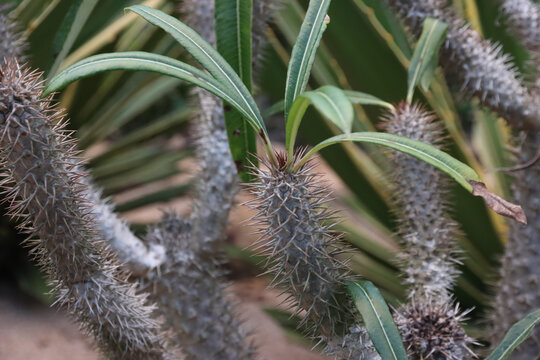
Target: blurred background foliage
[(134, 128)]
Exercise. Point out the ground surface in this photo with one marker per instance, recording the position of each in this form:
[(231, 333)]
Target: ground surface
[(32, 331)]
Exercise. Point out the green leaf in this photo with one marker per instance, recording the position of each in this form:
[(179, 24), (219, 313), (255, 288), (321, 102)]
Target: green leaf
[(357, 97), (426, 55), (330, 101), (142, 61), (209, 58), (378, 321), (462, 173), (304, 51), (273, 109), (70, 29), (515, 336), (233, 35)]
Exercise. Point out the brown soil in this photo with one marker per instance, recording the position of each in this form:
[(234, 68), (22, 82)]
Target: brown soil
[(32, 331)]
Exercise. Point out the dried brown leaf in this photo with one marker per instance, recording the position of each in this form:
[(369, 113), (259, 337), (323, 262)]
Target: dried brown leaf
[(498, 204)]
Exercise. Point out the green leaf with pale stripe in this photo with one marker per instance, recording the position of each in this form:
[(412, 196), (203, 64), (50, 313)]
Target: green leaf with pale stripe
[(142, 61), (330, 101), (233, 35), (304, 51), (357, 97), (462, 173), (378, 321), (70, 29), (515, 336), (208, 57), (426, 55)]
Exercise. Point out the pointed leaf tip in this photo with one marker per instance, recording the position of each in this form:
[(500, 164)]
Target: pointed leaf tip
[(498, 204)]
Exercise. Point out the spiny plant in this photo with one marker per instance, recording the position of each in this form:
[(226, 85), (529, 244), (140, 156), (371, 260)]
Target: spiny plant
[(297, 238), (515, 297), (204, 329), (475, 65), (222, 80), (12, 43), (190, 293), (517, 292), (137, 257), (41, 182), (128, 248), (432, 330), (356, 344), (429, 236), (429, 324), (523, 20)]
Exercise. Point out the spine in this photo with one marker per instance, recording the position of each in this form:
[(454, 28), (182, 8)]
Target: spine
[(205, 329), (428, 234), (42, 186), (475, 65), (138, 257), (191, 293), (297, 237), (429, 324), (523, 20), (517, 292), (217, 180), (217, 184), (12, 43), (432, 330), (356, 344)]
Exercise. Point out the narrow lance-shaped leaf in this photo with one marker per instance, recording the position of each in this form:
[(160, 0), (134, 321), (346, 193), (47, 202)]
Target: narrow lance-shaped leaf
[(515, 336), (426, 55), (70, 29), (378, 321), (274, 109), (142, 61), (459, 171), (330, 101), (209, 58), (357, 97), (304, 51), (233, 37)]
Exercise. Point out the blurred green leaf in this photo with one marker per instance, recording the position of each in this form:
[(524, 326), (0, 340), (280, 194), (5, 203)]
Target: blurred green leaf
[(357, 97), (161, 125), (426, 55), (515, 336), (233, 35), (70, 28), (107, 122)]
